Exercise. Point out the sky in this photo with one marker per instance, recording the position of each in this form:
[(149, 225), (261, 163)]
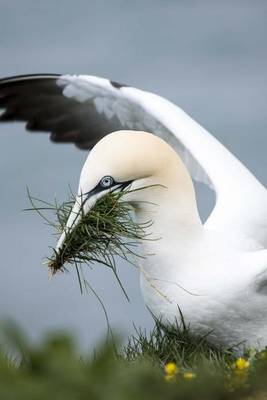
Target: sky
[(208, 57)]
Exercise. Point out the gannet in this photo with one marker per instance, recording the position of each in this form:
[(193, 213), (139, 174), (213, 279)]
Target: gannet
[(214, 273)]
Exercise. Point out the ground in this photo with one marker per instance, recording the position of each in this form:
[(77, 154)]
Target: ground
[(167, 363)]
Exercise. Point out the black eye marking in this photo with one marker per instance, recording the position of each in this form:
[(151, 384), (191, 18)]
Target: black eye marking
[(106, 182)]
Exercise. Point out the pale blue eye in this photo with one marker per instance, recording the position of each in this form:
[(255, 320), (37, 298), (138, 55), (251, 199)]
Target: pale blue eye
[(106, 182)]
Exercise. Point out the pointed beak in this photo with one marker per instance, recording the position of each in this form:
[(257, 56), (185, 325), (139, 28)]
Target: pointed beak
[(82, 206)]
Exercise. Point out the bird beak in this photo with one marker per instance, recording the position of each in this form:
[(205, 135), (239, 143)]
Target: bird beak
[(82, 206)]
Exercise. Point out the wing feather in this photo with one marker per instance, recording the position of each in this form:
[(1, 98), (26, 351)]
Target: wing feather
[(82, 109)]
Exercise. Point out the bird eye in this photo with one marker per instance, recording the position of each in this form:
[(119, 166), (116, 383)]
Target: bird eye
[(106, 182)]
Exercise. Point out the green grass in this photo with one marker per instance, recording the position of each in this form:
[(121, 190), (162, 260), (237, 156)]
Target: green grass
[(175, 343), (55, 369), (103, 235)]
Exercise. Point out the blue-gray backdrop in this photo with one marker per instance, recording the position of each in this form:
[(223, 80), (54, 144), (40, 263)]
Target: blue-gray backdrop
[(209, 57)]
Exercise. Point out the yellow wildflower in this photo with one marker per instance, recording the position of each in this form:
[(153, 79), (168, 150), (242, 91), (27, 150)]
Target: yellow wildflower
[(171, 369), (189, 375), (241, 364)]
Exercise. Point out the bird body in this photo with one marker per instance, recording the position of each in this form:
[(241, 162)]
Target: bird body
[(218, 288), (213, 273), (214, 278)]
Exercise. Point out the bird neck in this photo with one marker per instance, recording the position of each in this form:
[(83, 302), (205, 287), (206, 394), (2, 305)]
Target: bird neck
[(171, 203)]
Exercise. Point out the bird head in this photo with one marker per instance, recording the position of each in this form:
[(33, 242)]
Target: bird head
[(121, 159)]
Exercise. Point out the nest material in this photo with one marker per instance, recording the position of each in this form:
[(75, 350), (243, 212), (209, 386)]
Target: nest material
[(107, 231)]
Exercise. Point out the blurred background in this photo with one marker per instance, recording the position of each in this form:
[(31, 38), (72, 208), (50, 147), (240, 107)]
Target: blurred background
[(209, 57)]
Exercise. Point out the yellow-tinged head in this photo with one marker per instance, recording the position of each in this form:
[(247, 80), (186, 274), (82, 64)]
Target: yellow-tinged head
[(139, 159)]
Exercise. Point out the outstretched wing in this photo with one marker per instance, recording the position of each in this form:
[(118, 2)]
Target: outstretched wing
[(83, 109)]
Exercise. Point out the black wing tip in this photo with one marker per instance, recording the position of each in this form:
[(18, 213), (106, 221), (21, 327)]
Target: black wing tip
[(118, 85), (20, 78)]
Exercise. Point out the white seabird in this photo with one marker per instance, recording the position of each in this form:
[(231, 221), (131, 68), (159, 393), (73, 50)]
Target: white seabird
[(215, 272)]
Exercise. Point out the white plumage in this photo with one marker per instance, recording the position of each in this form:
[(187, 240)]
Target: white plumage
[(216, 272)]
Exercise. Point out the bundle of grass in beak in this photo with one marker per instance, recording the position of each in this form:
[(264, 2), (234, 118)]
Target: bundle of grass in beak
[(107, 231)]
